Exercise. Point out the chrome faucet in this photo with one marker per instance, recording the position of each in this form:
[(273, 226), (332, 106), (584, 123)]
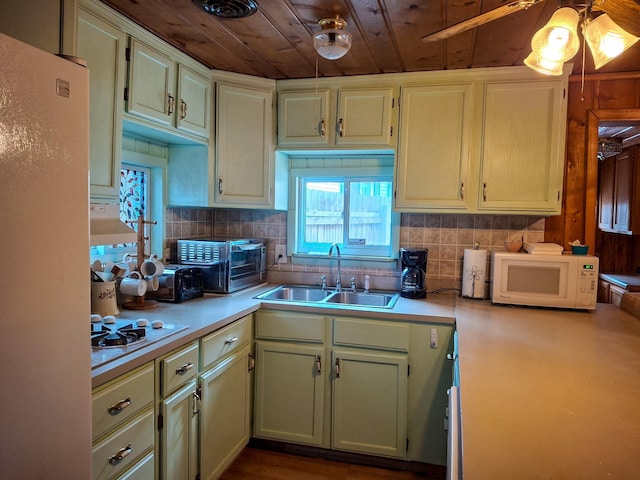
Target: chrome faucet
[(338, 278)]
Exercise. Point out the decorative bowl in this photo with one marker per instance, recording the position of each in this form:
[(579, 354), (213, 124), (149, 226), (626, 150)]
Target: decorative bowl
[(579, 249), (512, 246)]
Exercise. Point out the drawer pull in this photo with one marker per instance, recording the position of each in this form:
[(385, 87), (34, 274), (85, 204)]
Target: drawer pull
[(122, 453), (118, 407), (184, 369), (318, 364), (230, 340)]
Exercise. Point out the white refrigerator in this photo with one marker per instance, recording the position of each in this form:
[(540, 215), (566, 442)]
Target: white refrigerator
[(45, 369)]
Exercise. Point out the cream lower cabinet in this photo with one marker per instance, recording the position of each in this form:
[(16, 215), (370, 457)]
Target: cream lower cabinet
[(354, 384), (369, 400), (123, 426)]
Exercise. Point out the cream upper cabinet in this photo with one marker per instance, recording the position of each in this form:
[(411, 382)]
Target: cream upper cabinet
[(487, 141), (244, 151), (434, 152), (523, 147), (103, 47), (165, 92), (302, 118), (359, 116)]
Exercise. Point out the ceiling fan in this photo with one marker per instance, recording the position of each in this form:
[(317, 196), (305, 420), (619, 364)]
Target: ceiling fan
[(625, 13)]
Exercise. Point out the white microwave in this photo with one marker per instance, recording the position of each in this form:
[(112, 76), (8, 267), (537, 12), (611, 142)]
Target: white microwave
[(560, 281)]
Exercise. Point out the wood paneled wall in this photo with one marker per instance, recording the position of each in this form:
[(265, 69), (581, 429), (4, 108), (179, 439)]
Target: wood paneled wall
[(594, 98)]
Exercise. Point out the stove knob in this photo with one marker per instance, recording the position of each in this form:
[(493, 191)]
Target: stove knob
[(109, 319), (96, 317), (157, 324), (142, 322)]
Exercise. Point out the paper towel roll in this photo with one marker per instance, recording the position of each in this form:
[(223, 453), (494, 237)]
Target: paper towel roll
[(474, 273)]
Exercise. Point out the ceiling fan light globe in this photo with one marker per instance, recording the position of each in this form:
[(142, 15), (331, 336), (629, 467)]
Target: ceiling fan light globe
[(606, 39), (542, 65), (558, 40)]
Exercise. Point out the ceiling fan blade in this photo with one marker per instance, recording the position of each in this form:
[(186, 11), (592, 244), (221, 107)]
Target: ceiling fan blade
[(626, 13), (481, 19)]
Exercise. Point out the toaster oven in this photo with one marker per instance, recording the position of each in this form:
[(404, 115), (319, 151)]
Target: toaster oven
[(227, 265)]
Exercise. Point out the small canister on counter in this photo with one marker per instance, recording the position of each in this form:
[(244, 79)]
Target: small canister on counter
[(103, 298)]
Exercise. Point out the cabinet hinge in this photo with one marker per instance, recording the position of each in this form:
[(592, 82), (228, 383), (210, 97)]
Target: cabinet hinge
[(391, 131), (407, 445), (558, 195), (126, 94), (199, 392), (393, 102), (408, 370), (127, 54), (251, 362), (160, 421), (564, 93)]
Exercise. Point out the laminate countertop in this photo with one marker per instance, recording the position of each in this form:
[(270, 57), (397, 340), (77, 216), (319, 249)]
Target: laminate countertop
[(549, 394)]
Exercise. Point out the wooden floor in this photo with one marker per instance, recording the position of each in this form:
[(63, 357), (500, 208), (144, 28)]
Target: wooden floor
[(259, 464)]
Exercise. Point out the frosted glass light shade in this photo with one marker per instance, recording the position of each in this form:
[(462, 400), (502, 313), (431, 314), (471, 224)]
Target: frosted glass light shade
[(606, 39), (332, 42), (541, 65), (558, 40)]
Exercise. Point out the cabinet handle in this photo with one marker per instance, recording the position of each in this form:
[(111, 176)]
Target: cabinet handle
[(122, 453), (230, 340), (484, 191), (220, 189), (196, 403), (171, 104), (183, 109), (318, 364), (451, 356), (184, 369), (118, 407), (340, 128), (251, 362), (462, 190), (337, 368), (323, 128)]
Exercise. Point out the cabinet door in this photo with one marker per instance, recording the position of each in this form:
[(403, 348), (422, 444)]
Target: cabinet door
[(623, 194), (103, 47), (151, 84), (365, 117), (179, 441), (606, 204), (244, 159), (302, 118), (193, 102), (523, 147), (225, 417), (370, 402), (289, 399), (434, 148)]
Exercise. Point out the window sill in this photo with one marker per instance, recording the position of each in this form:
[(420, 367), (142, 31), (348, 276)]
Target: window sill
[(347, 261)]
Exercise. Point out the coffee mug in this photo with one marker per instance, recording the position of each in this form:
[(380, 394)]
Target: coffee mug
[(134, 285), (152, 267), (153, 283), (128, 261)]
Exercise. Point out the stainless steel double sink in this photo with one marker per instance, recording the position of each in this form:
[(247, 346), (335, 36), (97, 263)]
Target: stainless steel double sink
[(310, 294)]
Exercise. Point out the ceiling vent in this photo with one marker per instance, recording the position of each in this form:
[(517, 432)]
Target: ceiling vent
[(228, 8)]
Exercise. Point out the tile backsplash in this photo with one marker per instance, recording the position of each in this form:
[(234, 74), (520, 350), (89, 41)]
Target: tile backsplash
[(445, 236)]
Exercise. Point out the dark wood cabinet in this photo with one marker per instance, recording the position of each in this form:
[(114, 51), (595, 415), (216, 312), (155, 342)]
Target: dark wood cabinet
[(619, 210)]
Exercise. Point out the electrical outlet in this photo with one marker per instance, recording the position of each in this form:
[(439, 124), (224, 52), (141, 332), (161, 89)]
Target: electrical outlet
[(281, 253)]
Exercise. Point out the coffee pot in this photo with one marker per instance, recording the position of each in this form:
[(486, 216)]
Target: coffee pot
[(413, 281)]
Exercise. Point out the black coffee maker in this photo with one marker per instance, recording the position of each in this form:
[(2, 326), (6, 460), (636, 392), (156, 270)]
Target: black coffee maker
[(413, 281)]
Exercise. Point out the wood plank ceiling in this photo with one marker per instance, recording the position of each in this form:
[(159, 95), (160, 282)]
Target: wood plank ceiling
[(276, 42)]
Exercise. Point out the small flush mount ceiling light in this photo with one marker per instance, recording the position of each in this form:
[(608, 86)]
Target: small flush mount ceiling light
[(332, 42), (606, 40)]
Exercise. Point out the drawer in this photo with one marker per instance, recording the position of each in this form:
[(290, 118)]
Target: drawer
[(283, 325), (143, 470), (119, 400), (178, 368), (131, 442), (371, 333), (226, 340)]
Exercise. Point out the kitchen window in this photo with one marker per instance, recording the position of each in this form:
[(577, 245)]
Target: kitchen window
[(348, 201)]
